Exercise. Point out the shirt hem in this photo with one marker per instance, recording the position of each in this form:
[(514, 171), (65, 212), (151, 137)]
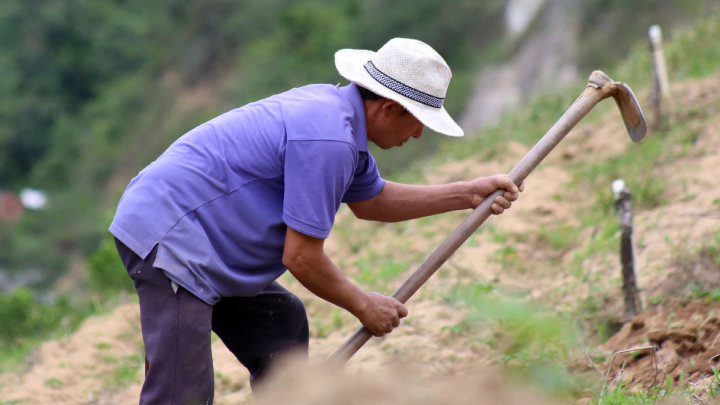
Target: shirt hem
[(129, 241), (307, 229), (375, 190)]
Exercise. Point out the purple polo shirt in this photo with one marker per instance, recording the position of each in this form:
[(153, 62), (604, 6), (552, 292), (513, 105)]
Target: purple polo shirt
[(218, 202)]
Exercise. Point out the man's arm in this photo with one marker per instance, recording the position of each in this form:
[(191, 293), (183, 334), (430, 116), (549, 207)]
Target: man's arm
[(306, 260), (400, 202)]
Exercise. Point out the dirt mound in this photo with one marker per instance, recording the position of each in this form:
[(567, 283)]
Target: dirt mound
[(686, 340)]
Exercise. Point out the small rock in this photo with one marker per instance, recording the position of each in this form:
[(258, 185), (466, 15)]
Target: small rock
[(570, 153), (678, 336), (658, 336), (710, 324), (687, 349), (637, 324), (543, 211), (671, 364)]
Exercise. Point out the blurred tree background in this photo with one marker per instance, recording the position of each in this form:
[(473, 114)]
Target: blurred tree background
[(91, 91)]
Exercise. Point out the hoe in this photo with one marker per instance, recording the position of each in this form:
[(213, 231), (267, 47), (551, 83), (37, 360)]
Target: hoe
[(599, 87)]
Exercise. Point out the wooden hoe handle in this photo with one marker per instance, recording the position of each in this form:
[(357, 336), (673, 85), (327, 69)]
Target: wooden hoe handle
[(599, 87)]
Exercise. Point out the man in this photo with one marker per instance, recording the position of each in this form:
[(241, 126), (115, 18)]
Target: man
[(206, 229)]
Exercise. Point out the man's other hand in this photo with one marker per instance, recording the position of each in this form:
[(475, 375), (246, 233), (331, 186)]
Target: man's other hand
[(484, 186), (381, 313)]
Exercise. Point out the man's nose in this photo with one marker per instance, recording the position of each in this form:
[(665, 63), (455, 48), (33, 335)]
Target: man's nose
[(417, 134)]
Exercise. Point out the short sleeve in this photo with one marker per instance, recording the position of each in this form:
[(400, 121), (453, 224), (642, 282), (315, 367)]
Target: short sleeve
[(367, 181), (317, 173)]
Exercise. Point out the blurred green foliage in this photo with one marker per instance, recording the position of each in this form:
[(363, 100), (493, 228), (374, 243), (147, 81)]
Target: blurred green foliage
[(27, 321), (72, 66), (106, 273), (531, 343), (89, 89)]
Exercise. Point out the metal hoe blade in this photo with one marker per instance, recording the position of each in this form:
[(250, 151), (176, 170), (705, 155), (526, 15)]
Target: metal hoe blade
[(631, 113)]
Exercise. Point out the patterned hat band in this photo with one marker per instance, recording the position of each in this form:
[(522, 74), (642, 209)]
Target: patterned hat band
[(403, 89)]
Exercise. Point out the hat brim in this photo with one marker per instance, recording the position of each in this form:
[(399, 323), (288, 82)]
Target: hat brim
[(350, 62)]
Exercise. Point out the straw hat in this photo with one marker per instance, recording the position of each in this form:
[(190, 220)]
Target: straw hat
[(407, 71)]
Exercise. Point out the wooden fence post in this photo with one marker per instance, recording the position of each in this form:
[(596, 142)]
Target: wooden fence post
[(623, 203), (660, 94)]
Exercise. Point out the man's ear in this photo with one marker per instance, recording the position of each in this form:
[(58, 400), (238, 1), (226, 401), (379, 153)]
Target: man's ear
[(392, 108)]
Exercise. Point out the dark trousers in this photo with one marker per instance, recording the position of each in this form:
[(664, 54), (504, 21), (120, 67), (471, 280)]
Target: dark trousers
[(176, 330)]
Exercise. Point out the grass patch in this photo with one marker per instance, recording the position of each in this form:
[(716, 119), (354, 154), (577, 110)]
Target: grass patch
[(378, 271), (531, 343), (636, 167), (53, 383), (561, 237), (353, 240), (333, 320), (509, 258), (27, 322), (665, 392), (696, 266), (126, 372), (622, 395)]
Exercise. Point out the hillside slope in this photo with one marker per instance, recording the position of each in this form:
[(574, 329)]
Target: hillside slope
[(556, 249)]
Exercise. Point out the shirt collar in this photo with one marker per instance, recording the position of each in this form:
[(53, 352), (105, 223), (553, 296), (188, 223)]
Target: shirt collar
[(352, 94)]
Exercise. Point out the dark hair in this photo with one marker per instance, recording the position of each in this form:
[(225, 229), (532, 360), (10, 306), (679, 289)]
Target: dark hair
[(368, 95)]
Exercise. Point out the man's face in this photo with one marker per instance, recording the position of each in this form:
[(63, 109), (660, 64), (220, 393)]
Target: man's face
[(394, 127)]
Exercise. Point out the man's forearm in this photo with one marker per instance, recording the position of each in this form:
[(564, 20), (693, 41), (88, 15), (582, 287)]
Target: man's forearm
[(305, 258), (401, 202), (319, 275)]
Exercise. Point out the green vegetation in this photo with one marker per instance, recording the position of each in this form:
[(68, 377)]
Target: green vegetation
[(697, 263), (126, 372), (26, 322), (662, 393), (53, 383), (15, 401), (92, 91), (535, 346), (376, 271), (106, 273), (530, 343)]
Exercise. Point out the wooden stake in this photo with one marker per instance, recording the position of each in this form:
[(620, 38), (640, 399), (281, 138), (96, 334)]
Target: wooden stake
[(623, 203), (661, 100)]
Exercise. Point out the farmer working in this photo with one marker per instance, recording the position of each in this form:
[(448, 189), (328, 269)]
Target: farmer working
[(206, 229)]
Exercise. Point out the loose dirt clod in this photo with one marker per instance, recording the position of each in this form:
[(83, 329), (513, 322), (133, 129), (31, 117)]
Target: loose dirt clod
[(687, 339)]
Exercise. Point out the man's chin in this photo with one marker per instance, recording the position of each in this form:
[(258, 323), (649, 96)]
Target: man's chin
[(386, 146)]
